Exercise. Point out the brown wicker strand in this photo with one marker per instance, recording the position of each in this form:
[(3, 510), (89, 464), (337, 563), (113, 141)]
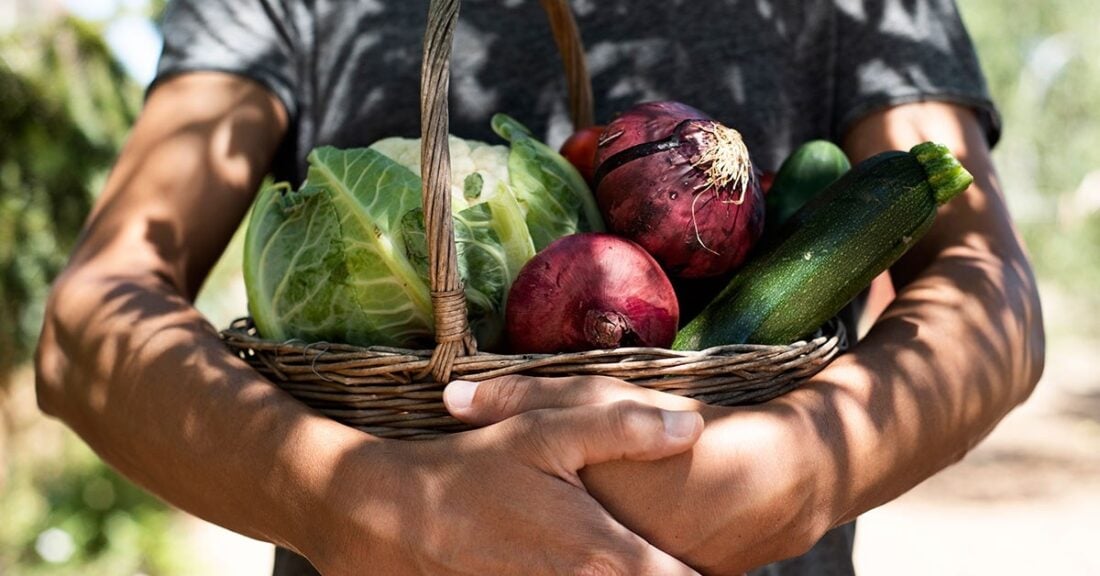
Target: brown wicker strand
[(450, 315), (353, 388), (436, 170), (568, 38)]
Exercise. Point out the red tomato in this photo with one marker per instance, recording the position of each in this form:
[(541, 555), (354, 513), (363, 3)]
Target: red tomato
[(580, 150), (766, 179)]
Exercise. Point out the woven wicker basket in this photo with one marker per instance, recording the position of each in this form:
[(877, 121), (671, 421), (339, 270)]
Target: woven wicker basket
[(397, 393)]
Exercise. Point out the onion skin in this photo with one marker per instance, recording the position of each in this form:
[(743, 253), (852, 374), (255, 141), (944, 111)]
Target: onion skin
[(590, 291), (668, 199)]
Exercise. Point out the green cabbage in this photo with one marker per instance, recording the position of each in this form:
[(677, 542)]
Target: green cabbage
[(344, 258)]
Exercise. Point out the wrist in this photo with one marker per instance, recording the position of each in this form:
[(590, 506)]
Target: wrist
[(318, 470), (761, 465), (812, 468), (829, 415)]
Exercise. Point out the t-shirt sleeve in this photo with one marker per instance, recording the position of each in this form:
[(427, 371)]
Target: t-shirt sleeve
[(897, 51), (249, 38)]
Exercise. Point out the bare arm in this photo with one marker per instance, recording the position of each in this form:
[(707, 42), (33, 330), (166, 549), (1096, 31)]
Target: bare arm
[(127, 362), (960, 346)]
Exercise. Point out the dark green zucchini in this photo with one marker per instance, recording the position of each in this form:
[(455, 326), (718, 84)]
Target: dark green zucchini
[(803, 175), (854, 230)]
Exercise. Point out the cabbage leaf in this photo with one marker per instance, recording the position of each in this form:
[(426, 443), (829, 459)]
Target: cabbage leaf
[(317, 257), (547, 185)]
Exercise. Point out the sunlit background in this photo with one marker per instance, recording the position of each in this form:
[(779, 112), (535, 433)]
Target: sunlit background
[(1026, 501)]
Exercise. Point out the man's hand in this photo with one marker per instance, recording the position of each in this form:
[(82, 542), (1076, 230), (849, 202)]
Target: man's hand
[(741, 498), (504, 499), (960, 346)]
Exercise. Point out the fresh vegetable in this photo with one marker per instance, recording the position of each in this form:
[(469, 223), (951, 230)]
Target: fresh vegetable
[(554, 194), (805, 173), (344, 258), (589, 291), (680, 184), (580, 150), (767, 179), (854, 230)]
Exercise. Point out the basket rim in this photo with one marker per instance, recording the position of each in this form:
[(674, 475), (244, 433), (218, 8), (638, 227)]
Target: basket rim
[(243, 336), (391, 392)]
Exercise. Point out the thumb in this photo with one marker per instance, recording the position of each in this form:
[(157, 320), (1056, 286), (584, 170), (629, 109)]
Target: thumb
[(496, 399), (565, 440)]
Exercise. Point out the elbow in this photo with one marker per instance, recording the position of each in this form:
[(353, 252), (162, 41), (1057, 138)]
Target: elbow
[(1034, 354), (56, 354), (44, 382), (1031, 346)]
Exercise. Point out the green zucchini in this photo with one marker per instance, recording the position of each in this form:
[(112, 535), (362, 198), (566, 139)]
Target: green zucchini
[(854, 230), (805, 173)]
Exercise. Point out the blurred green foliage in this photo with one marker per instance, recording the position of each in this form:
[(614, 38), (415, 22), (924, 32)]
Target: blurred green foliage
[(1039, 58), (71, 514), (67, 108)]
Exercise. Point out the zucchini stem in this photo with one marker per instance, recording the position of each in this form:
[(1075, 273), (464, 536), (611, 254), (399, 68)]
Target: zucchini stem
[(945, 174)]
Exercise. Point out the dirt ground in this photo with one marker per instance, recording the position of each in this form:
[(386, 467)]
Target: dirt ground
[(1025, 501)]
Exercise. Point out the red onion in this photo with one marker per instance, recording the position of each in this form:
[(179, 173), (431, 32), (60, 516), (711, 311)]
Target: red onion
[(588, 291), (682, 186)]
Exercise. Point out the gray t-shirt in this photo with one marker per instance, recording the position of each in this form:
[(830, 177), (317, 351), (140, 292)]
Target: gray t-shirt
[(780, 71)]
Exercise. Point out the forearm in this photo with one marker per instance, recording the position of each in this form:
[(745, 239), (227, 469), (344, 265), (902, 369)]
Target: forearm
[(134, 369), (144, 379), (960, 347)]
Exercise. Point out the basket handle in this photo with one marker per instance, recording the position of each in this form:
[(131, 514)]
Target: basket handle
[(452, 330), (568, 38)]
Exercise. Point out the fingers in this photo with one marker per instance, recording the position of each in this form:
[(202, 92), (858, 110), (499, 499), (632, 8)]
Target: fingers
[(561, 442), (500, 398)]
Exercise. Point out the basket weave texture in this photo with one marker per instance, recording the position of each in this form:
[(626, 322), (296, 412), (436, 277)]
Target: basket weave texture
[(397, 393)]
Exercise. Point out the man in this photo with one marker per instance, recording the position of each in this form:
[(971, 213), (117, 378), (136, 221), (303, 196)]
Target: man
[(250, 87)]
